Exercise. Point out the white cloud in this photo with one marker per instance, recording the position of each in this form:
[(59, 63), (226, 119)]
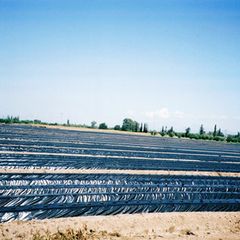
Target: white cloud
[(163, 113)]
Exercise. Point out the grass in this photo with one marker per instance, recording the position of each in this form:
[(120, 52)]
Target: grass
[(71, 234)]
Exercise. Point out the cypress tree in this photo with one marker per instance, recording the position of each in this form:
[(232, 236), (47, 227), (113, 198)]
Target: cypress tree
[(201, 131), (163, 131), (215, 130), (219, 133), (145, 128), (187, 131)]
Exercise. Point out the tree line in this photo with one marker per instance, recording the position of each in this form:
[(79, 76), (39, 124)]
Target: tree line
[(130, 125)]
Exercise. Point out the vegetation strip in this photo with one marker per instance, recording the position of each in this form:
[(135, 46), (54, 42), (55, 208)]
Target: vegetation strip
[(129, 125)]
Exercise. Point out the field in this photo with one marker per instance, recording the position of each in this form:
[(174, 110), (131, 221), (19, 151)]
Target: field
[(48, 173)]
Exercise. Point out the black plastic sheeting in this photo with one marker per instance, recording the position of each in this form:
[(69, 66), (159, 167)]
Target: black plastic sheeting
[(40, 196), (85, 162), (200, 156), (57, 137), (112, 151)]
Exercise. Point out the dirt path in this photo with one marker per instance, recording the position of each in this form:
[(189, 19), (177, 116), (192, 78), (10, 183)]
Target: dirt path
[(114, 171), (208, 225)]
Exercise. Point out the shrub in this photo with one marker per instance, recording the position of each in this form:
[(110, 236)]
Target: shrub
[(193, 136), (171, 134), (117, 127), (36, 121), (234, 139), (103, 126), (153, 133), (179, 135)]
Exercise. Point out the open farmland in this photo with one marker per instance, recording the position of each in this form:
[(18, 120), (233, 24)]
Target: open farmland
[(63, 190)]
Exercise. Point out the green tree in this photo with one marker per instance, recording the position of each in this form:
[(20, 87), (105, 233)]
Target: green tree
[(93, 124), (117, 127), (219, 133), (103, 126), (136, 126), (130, 125), (36, 121), (215, 130), (187, 132), (163, 131), (127, 124), (170, 130), (201, 131), (145, 128)]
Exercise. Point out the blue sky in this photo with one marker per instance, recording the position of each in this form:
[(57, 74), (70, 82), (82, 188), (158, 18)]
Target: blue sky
[(165, 62)]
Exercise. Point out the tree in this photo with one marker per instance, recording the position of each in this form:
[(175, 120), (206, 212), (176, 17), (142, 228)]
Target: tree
[(130, 125), (127, 124), (201, 131), (141, 128), (163, 131), (103, 126), (145, 128), (16, 120), (170, 130), (117, 127), (93, 124), (68, 122), (36, 121), (215, 130), (136, 126), (187, 132), (219, 133)]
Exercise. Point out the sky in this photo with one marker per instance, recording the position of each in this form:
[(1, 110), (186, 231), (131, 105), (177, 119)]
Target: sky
[(163, 62)]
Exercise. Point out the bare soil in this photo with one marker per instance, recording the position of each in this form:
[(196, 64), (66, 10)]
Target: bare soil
[(200, 225), (115, 171)]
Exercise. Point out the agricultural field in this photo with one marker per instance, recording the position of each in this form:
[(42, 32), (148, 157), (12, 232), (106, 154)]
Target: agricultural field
[(51, 173)]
